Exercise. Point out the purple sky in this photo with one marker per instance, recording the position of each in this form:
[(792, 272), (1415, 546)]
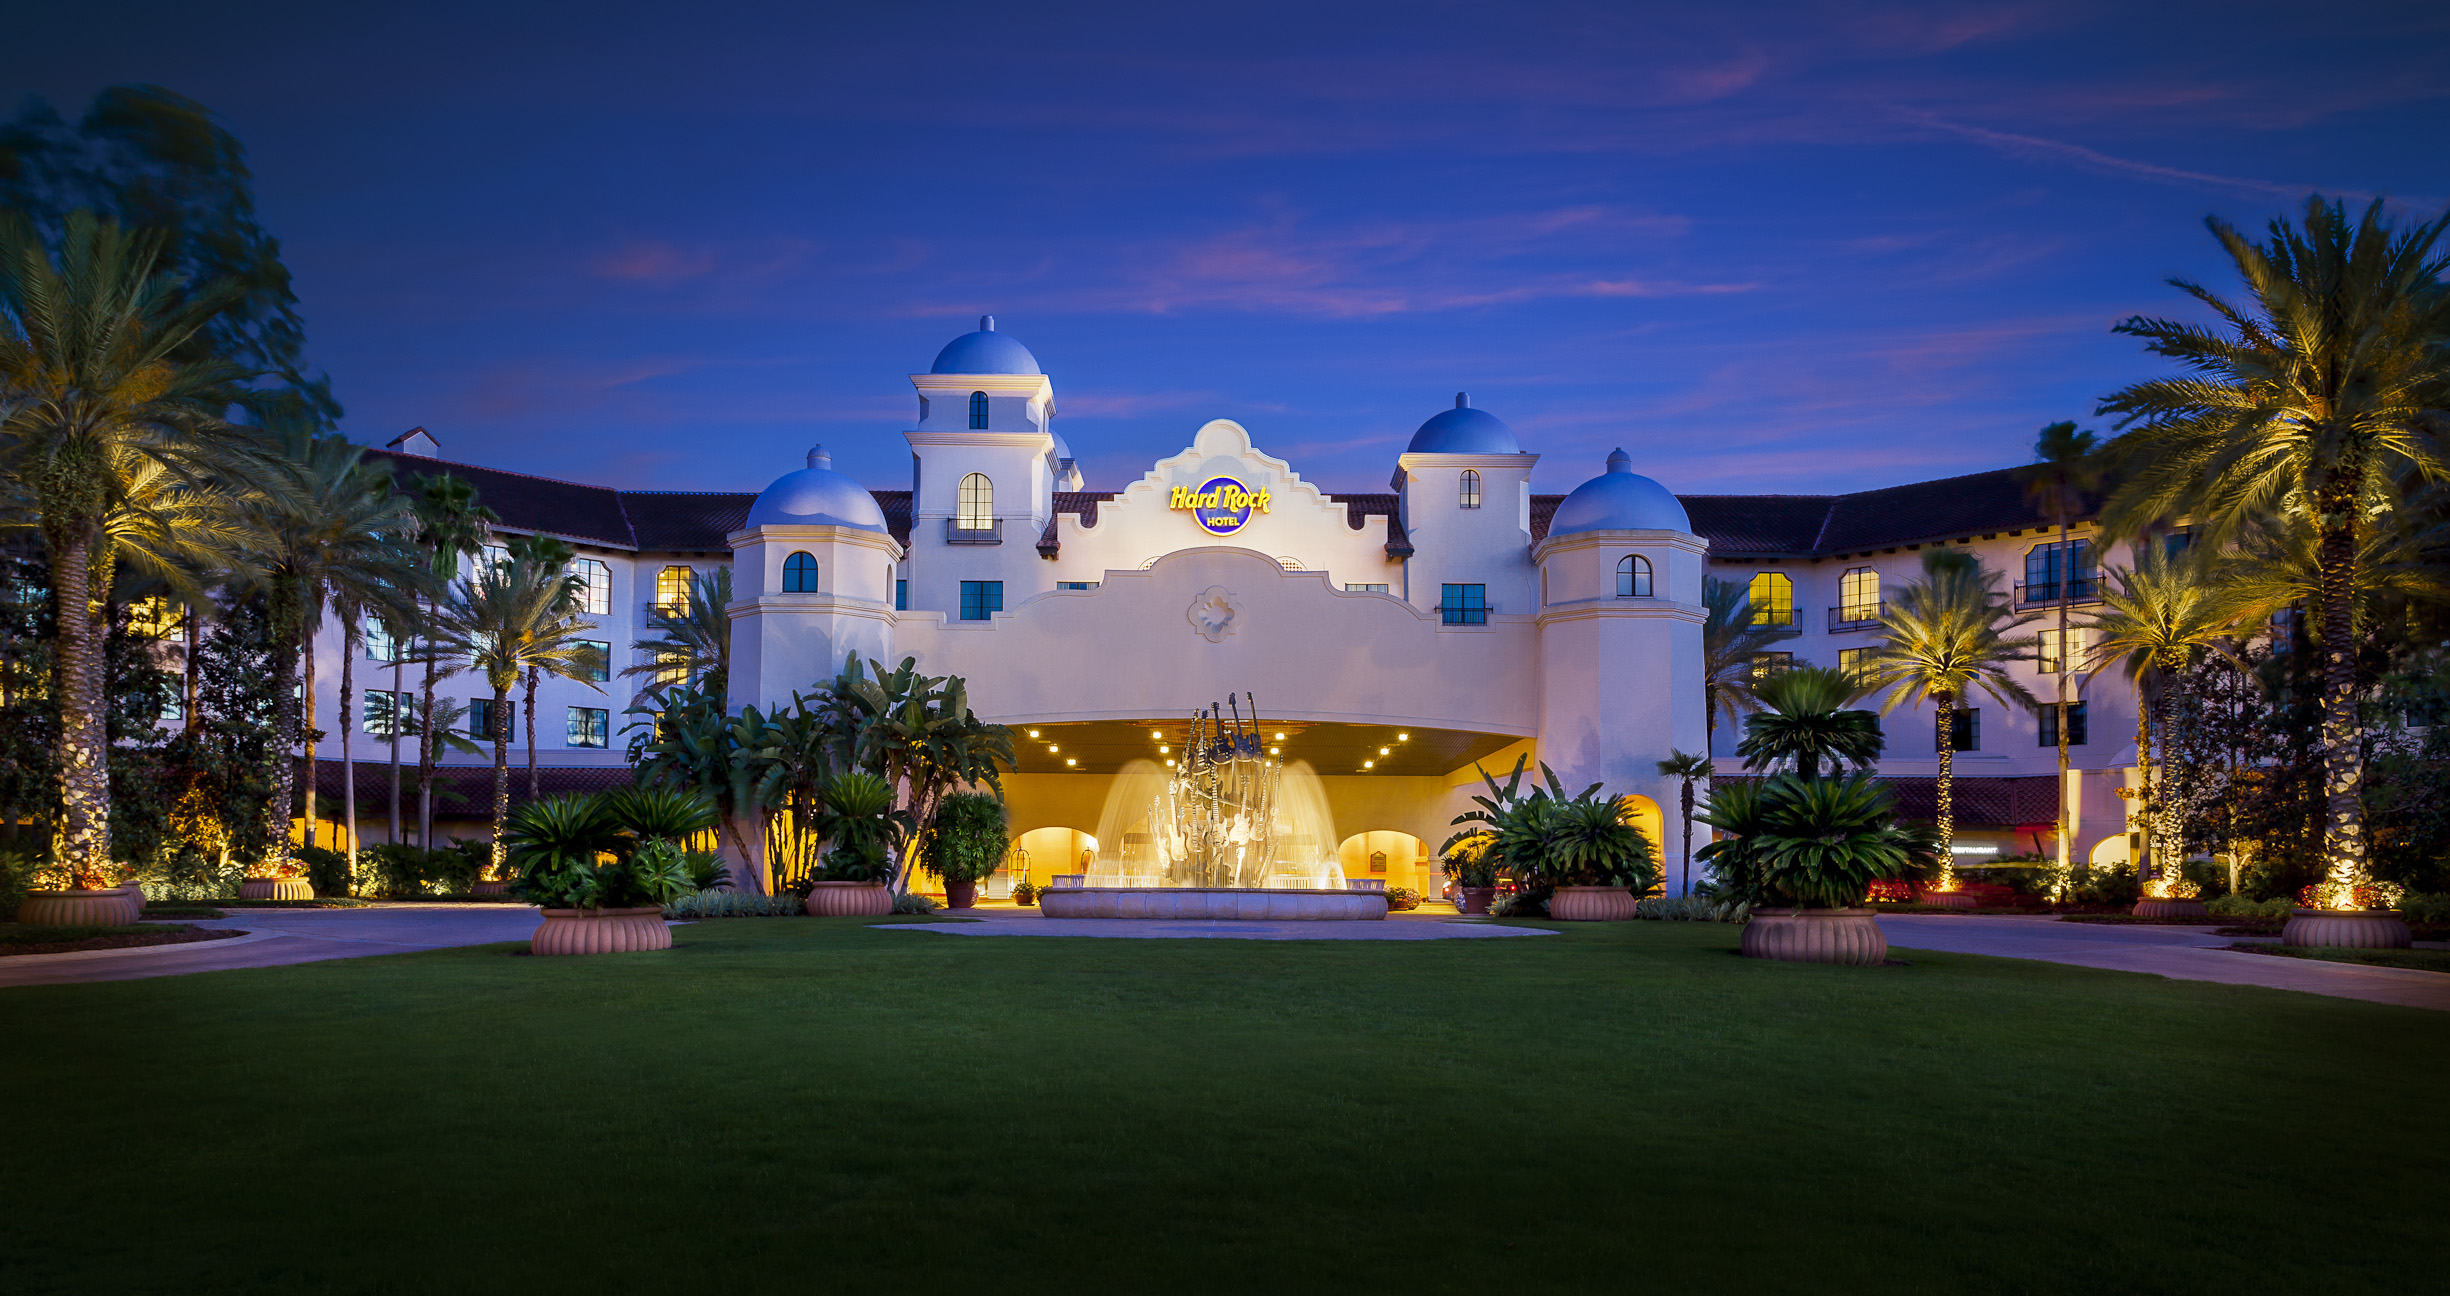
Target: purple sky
[(1763, 247)]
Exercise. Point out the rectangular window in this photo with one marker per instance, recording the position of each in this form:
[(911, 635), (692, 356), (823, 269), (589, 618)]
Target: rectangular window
[(1856, 661), (1364, 587), (1773, 599), (1463, 604), (492, 556), (380, 646), (2050, 661), (589, 727), (600, 669), (1967, 722), (2075, 725), (901, 596), (480, 719), (672, 588), (596, 598), (382, 705), (1076, 585), (981, 600), (2045, 565), (672, 668), (1859, 595), (1767, 664)]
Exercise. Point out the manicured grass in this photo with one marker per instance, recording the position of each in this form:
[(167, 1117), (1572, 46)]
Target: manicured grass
[(821, 1106), (2423, 960)]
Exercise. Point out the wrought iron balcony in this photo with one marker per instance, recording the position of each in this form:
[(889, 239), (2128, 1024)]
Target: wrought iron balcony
[(1856, 616), (957, 534), (2082, 589)]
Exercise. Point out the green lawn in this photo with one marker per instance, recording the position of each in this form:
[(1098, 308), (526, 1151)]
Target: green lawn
[(825, 1107), (2423, 960)]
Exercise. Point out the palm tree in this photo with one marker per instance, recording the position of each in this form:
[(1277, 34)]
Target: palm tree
[(399, 575), (691, 643), (2156, 617), (583, 664), (450, 525), (1730, 643), (510, 616), (100, 382), (1689, 769), (1946, 636), (2066, 470), (918, 732), (2322, 394), (1805, 719)]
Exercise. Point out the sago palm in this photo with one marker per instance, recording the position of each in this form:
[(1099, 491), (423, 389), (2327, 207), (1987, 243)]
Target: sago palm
[(1805, 718), (2066, 472), (509, 616), (1947, 635), (100, 384), (2325, 389), (2155, 618)]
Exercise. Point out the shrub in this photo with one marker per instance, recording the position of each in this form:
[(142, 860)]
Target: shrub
[(659, 813), (911, 903), (1692, 908), (2238, 906), (968, 840), (397, 870), (1823, 842), (1468, 863), (1399, 898), (327, 870), (735, 904), (2425, 907), (860, 821), (565, 850)]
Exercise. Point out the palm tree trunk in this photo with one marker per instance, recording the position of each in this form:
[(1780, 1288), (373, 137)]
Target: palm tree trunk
[(531, 734), (348, 757), (498, 722), (187, 684), (2067, 664), (278, 808), (306, 732), (1687, 800), (2139, 819), (2343, 772), (1946, 809), (426, 740), (399, 720), (82, 844)]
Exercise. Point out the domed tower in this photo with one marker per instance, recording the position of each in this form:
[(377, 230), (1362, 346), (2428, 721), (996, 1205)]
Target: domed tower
[(1466, 487), (985, 466), (1621, 614), (812, 580)]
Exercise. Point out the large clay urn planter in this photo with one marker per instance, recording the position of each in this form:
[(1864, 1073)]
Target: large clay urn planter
[(1851, 937), (2156, 908), (1945, 899), (960, 895), (136, 901), (276, 888), (2349, 928), (490, 888), (849, 900), (74, 909), (1474, 900), (1591, 904), (600, 931)]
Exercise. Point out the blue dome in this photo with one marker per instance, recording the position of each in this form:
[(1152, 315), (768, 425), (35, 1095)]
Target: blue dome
[(816, 496), (1619, 499), (1464, 430), (985, 352)]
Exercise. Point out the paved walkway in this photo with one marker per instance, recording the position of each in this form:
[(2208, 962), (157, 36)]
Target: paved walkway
[(2182, 953), (281, 936), (1029, 922)]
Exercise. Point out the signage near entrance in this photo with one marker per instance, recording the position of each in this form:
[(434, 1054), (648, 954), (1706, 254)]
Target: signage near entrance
[(1221, 506)]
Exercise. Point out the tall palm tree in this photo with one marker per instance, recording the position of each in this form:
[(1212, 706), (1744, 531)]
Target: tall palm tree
[(1688, 769), (692, 643), (450, 525), (399, 577), (583, 664), (1947, 635), (1805, 718), (1730, 643), (2066, 471), (101, 381), (2322, 393), (2156, 617), (509, 616)]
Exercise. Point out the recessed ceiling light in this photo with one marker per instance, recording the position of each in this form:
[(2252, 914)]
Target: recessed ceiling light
[(1162, 749), (1402, 737), (1275, 751), (1053, 748), (1033, 733), (1368, 764), (1280, 737), (1385, 752), (1069, 761)]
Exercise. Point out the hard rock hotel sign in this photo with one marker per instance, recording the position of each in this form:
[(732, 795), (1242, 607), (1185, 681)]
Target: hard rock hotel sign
[(1221, 505)]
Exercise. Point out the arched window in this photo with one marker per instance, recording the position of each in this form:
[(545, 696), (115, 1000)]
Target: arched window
[(1633, 576), (977, 510), (1773, 599), (1471, 488), (800, 573), (1859, 595), (978, 410)]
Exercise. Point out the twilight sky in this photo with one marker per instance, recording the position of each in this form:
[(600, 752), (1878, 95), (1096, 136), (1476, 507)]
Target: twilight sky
[(1764, 247)]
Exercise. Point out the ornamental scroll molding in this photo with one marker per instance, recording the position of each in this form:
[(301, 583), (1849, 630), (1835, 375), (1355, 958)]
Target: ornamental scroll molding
[(1216, 613)]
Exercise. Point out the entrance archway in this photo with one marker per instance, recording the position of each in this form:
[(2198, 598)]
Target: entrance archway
[(1039, 854), (1384, 855)]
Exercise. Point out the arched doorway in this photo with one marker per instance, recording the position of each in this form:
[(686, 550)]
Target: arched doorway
[(1644, 813), (1038, 855), (1398, 859)]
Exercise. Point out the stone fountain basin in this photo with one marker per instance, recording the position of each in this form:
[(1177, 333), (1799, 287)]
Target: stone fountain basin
[(1212, 903)]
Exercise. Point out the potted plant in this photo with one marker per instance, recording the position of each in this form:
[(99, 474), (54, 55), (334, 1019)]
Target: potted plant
[(1804, 853), (283, 883), (600, 890), (1474, 875), (967, 844), (1400, 899), (1581, 854), (864, 829), (1024, 894)]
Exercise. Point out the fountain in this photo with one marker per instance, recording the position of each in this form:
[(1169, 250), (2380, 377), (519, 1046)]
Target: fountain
[(1229, 832)]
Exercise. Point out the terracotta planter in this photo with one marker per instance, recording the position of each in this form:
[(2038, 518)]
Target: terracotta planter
[(1946, 899), (1029, 901), (490, 888), (1850, 937), (276, 888), (600, 931), (1591, 904), (849, 900), (136, 901), (960, 895), (2349, 928), (74, 909), (2151, 908), (1474, 900)]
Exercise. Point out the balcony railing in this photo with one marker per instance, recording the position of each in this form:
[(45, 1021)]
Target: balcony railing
[(1781, 625), (957, 534), (2083, 589), (1856, 616)]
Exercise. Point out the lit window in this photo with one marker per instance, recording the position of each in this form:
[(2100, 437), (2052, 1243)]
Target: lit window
[(976, 511), (1859, 595), (1633, 576), (1471, 488), (671, 668), (1773, 599), (2050, 661), (2045, 565), (1767, 664), (800, 573), (595, 595), (981, 600), (1856, 662), (493, 558), (156, 617), (1463, 604), (480, 719), (2075, 725), (589, 727), (599, 666), (978, 411), (672, 589), (1967, 727)]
